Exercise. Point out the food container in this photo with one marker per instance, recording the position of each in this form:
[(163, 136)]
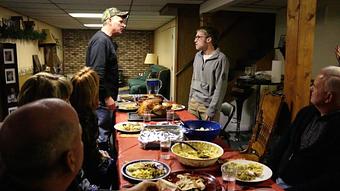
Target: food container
[(186, 155), (201, 130), (151, 135)]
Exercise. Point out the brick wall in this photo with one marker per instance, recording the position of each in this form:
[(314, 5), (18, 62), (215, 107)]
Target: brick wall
[(132, 49)]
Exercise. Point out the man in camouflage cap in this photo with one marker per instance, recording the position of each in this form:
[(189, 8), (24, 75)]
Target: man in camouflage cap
[(101, 57), (110, 12)]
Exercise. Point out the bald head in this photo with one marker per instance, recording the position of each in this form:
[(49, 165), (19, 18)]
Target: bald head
[(34, 138), (331, 76)]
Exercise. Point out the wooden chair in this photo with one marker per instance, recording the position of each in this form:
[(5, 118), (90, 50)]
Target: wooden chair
[(228, 110), (266, 121)]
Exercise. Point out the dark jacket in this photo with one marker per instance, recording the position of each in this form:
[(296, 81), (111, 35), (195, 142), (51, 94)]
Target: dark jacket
[(80, 183), (101, 57), (92, 157), (315, 167), (98, 170)]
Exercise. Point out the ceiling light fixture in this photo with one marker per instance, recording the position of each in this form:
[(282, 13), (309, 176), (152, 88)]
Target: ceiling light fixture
[(93, 25), (86, 15)]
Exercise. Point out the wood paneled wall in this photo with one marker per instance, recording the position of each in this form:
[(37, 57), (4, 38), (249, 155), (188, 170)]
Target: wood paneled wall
[(188, 22)]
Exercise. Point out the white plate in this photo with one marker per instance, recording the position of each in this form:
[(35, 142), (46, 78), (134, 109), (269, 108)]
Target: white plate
[(209, 180), (123, 127), (177, 107), (245, 77), (266, 174), (157, 165), (128, 106), (126, 98)]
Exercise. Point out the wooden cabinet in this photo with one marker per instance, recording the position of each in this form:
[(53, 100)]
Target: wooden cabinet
[(9, 79)]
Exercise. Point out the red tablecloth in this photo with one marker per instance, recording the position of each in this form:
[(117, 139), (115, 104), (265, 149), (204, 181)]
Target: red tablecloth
[(129, 149)]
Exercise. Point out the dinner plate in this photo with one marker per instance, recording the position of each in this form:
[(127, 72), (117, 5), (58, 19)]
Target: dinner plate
[(210, 182), (129, 127), (245, 77), (266, 173), (127, 106), (126, 98), (177, 107), (130, 169)]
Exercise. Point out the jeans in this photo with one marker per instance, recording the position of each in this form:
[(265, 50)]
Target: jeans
[(105, 123)]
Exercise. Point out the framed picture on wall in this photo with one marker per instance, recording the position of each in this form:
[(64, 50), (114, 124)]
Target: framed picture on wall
[(11, 109), (10, 76), (8, 56), (12, 95)]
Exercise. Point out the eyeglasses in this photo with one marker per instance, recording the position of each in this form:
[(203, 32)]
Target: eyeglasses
[(198, 37)]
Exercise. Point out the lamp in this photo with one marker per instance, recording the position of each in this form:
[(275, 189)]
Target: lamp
[(150, 58)]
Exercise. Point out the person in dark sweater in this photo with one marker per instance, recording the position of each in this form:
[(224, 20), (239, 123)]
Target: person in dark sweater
[(102, 57), (307, 155), (98, 166), (41, 149), (40, 146)]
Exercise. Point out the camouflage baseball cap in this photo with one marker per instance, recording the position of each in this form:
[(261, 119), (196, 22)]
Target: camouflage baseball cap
[(110, 12)]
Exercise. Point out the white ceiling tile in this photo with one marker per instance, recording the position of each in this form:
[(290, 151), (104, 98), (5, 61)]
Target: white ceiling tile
[(144, 13)]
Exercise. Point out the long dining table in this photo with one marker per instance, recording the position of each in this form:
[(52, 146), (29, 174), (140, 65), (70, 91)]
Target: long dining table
[(128, 149)]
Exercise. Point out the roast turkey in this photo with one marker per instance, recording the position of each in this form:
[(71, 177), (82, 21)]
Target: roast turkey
[(154, 105)]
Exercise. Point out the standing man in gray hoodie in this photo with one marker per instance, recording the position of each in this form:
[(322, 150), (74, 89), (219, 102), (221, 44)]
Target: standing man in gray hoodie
[(210, 76)]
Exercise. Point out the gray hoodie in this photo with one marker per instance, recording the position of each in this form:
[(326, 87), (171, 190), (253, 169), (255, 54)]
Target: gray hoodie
[(210, 80)]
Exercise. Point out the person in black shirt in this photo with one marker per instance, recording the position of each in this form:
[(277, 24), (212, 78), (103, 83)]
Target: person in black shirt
[(307, 156), (101, 57), (41, 146)]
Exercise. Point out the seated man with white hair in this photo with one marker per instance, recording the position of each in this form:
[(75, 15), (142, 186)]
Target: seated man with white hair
[(307, 156)]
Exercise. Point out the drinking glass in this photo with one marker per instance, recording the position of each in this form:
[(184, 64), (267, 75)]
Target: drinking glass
[(170, 116), (229, 175), (164, 145), (146, 116)]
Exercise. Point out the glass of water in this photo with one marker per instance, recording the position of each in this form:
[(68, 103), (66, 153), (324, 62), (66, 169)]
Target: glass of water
[(229, 174), (146, 116), (165, 145), (170, 116)]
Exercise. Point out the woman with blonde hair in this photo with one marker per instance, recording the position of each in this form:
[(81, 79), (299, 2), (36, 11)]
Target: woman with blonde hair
[(44, 85), (99, 168)]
